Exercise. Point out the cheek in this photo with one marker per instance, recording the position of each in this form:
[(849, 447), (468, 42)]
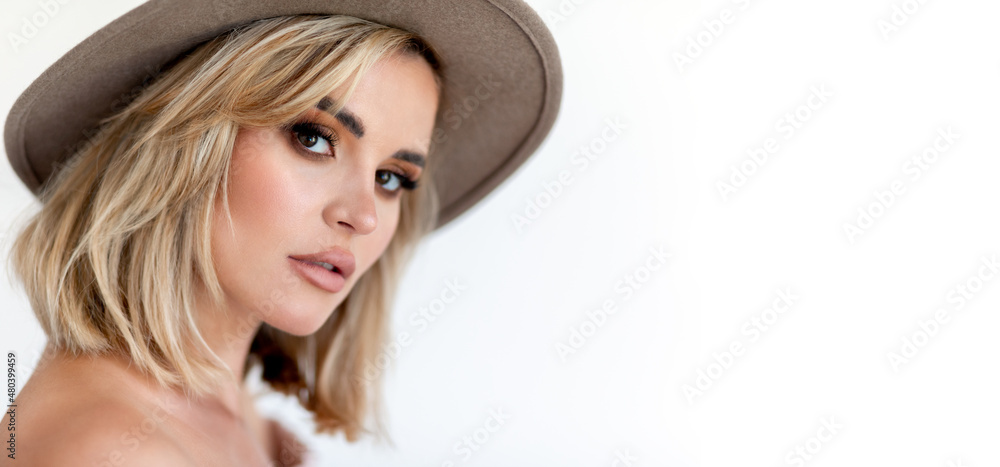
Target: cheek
[(263, 204), (260, 187)]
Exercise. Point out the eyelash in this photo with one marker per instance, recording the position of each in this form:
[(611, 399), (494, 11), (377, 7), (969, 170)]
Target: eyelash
[(406, 181)]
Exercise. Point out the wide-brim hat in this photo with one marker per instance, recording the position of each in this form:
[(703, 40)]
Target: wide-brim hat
[(501, 69)]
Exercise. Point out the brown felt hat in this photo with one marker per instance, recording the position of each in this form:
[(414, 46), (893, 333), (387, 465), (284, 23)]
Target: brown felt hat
[(502, 44)]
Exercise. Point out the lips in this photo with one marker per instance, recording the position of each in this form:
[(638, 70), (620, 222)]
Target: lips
[(341, 260), (328, 270)]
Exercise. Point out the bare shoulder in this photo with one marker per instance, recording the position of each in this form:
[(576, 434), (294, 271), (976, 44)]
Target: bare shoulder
[(83, 413), (103, 443)]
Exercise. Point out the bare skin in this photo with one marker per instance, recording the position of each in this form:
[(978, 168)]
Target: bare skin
[(87, 411), (99, 410)]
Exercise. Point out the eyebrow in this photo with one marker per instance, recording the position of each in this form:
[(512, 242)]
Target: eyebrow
[(411, 157), (357, 128), (348, 119)]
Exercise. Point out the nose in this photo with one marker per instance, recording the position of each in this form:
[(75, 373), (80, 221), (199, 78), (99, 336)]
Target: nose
[(352, 204)]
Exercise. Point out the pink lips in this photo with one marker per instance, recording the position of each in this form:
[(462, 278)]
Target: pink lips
[(331, 281)]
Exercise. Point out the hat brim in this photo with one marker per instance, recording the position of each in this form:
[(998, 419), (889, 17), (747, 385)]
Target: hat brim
[(502, 78)]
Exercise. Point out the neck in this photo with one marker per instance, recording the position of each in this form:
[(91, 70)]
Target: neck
[(229, 333)]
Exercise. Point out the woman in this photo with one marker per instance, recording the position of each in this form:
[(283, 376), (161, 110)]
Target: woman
[(246, 211)]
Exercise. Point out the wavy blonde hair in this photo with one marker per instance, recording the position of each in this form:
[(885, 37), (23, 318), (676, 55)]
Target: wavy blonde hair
[(111, 260)]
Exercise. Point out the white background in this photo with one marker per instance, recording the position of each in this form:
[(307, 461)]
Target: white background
[(656, 185)]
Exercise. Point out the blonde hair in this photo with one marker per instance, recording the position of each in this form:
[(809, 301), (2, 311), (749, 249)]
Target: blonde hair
[(111, 260)]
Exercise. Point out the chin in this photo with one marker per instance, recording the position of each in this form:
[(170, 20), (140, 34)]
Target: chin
[(303, 321), (303, 308)]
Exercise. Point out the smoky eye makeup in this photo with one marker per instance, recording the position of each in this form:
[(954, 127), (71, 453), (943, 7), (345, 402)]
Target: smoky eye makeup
[(319, 142), (311, 135)]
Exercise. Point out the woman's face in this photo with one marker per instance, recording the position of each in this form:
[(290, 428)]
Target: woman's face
[(328, 189)]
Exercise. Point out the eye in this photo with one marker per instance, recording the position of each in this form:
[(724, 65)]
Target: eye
[(392, 181), (314, 138)]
